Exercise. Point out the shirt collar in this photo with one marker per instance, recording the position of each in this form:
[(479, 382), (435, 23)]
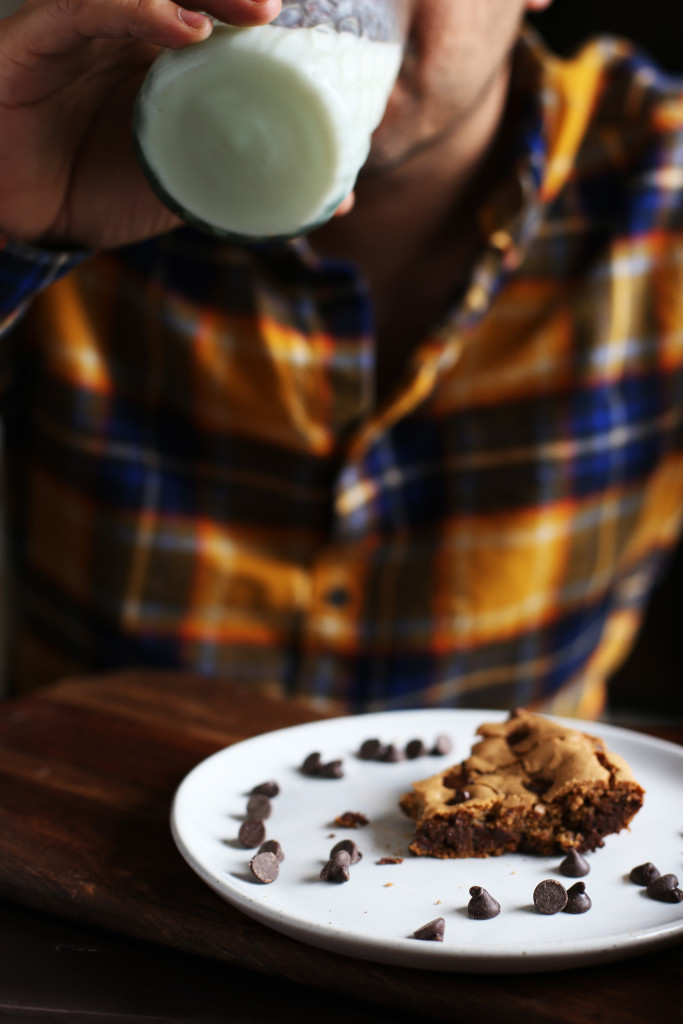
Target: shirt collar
[(511, 215)]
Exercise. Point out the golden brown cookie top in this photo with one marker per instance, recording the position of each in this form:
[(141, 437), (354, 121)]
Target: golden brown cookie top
[(527, 759)]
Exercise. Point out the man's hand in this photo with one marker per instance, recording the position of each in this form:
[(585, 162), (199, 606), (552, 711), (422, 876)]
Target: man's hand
[(69, 74)]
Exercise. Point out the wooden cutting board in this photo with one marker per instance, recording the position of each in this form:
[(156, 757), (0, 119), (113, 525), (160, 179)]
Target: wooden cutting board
[(87, 774)]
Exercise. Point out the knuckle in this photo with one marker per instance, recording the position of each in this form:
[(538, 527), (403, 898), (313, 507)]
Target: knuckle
[(69, 8), (146, 15), (151, 8)]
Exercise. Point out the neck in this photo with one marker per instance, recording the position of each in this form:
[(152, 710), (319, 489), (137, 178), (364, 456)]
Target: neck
[(414, 232), (412, 208)]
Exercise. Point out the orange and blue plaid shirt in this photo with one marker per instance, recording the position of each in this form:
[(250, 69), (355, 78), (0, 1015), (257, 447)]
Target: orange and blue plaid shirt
[(199, 476)]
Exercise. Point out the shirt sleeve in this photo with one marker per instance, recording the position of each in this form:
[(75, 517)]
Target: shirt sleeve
[(25, 270)]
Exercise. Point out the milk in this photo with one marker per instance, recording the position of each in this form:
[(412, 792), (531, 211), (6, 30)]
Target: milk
[(261, 132)]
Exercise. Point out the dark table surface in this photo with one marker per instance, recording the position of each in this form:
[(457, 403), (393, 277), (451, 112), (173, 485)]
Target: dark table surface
[(101, 920)]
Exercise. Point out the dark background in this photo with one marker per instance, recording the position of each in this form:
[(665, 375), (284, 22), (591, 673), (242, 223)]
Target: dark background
[(657, 25), (651, 681)]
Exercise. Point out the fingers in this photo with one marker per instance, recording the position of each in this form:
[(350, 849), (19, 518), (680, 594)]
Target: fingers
[(243, 13), (56, 27), (346, 205), (238, 13)]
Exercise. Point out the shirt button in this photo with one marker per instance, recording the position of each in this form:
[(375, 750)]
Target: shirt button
[(337, 596), (477, 298), (501, 240)]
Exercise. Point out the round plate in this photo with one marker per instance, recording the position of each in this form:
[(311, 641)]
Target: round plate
[(374, 915)]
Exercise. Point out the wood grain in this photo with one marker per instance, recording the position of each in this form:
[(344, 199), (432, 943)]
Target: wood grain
[(87, 773)]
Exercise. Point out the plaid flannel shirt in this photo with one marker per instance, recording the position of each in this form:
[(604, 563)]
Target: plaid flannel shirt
[(199, 475)]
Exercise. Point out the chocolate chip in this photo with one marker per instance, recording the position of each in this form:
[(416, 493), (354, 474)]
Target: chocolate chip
[(341, 856), (442, 746), (350, 847), (371, 750), (643, 874), (518, 735), (351, 819), (312, 763), (272, 846), (268, 789), (578, 900), (337, 868), (550, 896), (265, 867), (415, 748), (665, 889), (392, 753), (482, 906), (259, 807), (459, 797), (252, 833), (331, 770), (574, 865), (433, 931), (538, 785)]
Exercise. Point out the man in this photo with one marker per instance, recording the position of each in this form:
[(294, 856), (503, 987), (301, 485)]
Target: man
[(431, 454)]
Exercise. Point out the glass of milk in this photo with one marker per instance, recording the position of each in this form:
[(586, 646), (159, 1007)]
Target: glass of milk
[(259, 133)]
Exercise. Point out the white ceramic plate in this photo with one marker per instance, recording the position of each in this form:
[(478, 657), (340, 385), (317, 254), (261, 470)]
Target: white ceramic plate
[(374, 915)]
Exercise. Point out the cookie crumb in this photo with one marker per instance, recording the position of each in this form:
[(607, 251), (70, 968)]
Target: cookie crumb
[(351, 819)]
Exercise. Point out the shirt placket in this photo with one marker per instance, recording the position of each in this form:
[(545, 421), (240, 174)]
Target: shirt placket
[(336, 624)]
